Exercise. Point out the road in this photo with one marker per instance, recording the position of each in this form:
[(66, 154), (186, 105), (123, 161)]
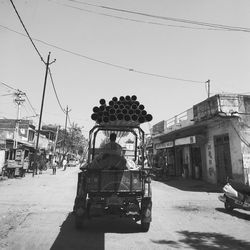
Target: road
[(35, 213)]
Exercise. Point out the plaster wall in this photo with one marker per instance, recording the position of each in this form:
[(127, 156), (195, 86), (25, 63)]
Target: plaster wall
[(220, 128), (244, 134)]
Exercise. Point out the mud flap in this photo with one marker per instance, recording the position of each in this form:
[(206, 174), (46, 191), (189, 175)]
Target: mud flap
[(146, 210)]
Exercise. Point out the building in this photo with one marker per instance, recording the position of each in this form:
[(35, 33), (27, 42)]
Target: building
[(16, 133), (210, 141), (18, 140)]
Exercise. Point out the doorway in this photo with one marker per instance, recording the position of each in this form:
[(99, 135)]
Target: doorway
[(196, 162), (222, 158)]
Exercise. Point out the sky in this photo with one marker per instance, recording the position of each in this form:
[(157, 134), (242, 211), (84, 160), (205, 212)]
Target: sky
[(114, 48)]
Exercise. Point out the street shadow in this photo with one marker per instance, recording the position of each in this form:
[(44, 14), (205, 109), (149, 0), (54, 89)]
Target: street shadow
[(239, 214), (206, 241), (191, 185), (92, 236)]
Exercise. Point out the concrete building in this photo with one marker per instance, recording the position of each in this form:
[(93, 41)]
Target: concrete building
[(210, 141), (18, 142), (14, 133)]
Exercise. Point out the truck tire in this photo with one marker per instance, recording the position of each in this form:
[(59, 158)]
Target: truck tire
[(228, 206), (79, 222), (145, 226)]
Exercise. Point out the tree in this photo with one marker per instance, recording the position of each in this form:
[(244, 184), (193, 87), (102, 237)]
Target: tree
[(72, 140)]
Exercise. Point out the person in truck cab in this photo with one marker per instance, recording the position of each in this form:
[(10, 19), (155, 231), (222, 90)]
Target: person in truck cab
[(112, 147)]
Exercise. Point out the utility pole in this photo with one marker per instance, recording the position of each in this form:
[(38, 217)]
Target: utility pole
[(65, 132), (57, 131), (41, 111), (19, 101), (208, 88)]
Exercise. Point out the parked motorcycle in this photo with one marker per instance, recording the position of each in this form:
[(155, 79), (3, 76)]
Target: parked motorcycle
[(236, 195)]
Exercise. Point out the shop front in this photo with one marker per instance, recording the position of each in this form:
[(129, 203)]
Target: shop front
[(188, 157), (166, 150)]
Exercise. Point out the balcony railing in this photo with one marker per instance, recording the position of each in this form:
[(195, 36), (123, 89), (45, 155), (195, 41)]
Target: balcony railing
[(181, 120)]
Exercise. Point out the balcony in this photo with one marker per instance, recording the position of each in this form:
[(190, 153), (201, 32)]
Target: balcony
[(181, 120)]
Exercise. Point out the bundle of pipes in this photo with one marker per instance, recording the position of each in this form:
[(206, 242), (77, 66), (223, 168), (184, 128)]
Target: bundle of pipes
[(124, 110)]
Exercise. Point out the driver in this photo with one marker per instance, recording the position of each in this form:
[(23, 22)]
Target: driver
[(112, 147)]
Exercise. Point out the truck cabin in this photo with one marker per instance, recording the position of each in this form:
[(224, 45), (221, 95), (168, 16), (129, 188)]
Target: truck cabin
[(129, 138)]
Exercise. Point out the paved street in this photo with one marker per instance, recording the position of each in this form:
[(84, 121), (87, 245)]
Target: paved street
[(35, 213)]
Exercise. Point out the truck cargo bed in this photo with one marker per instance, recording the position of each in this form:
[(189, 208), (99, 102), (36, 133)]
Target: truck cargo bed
[(113, 181)]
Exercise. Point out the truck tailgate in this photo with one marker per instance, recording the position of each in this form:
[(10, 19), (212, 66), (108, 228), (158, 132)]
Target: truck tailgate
[(114, 181)]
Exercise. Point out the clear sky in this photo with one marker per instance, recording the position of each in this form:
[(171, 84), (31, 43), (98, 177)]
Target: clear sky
[(119, 40)]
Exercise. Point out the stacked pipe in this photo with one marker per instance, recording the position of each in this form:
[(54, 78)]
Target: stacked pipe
[(123, 110)]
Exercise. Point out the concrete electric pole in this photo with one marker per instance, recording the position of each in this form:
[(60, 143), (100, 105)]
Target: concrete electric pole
[(41, 111), (19, 100), (65, 132)]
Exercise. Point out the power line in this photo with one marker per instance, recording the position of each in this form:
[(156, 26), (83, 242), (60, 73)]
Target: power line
[(8, 86), (107, 63), (31, 104), (27, 32), (19, 91), (167, 77), (7, 94), (52, 81), (137, 20), (173, 19)]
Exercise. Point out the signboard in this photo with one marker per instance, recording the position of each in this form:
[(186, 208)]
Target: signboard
[(158, 128), (167, 144), (185, 140), (18, 155)]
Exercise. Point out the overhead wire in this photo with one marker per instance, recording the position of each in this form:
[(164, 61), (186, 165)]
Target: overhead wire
[(30, 38), (173, 19), (105, 62), (54, 88), (19, 91), (31, 105), (136, 20), (6, 94), (28, 113), (20, 19), (8, 86)]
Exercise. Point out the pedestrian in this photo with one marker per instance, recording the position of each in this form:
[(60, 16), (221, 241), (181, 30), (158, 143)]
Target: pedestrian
[(48, 164), (54, 165), (64, 163)]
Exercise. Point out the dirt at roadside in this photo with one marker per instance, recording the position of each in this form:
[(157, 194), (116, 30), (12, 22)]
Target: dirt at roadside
[(10, 220)]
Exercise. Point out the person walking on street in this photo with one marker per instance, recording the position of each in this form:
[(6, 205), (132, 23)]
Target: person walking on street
[(64, 163), (54, 165)]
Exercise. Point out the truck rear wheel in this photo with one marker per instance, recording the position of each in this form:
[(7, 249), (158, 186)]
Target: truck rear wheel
[(145, 226), (228, 206), (79, 222)]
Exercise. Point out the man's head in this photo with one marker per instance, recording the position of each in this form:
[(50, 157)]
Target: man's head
[(112, 137)]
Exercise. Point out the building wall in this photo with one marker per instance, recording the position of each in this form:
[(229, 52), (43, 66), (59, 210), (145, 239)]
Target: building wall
[(219, 128), (204, 172), (2, 160), (244, 135)]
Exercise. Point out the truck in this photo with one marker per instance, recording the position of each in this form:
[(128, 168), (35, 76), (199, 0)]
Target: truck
[(108, 183)]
